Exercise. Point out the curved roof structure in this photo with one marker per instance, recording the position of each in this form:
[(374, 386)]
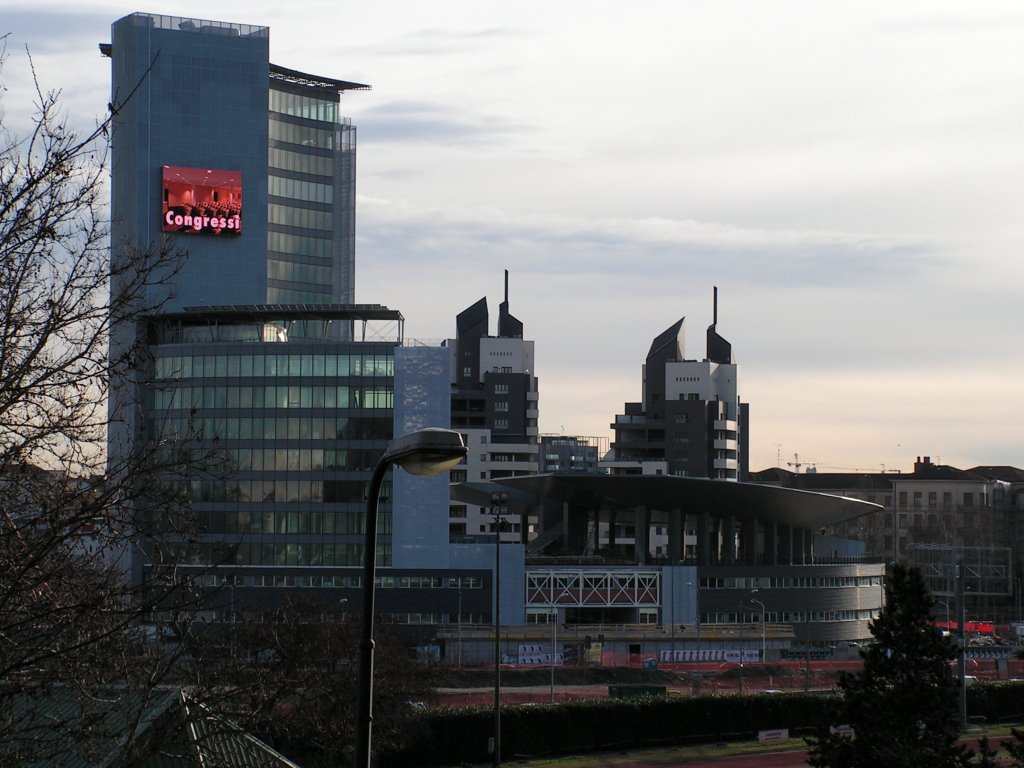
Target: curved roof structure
[(744, 501)]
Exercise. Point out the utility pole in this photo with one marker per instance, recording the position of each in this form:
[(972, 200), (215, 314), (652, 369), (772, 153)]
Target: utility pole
[(499, 500), (961, 664)]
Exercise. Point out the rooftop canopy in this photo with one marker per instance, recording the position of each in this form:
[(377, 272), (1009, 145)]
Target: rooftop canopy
[(744, 501)]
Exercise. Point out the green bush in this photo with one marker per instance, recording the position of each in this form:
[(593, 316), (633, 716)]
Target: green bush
[(457, 736)]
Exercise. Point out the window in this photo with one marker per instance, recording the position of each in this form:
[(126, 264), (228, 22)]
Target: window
[(968, 499)]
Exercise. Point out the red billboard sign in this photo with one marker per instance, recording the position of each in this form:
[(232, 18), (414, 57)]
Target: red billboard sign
[(202, 201)]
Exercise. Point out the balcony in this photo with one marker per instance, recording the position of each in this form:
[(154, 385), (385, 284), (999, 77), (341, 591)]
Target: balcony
[(726, 464), (725, 425), (726, 445), (620, 419)]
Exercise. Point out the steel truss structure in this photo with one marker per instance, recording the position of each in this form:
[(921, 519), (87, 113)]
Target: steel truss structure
[(593, 587)]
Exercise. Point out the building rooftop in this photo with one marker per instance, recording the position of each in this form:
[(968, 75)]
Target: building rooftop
[(745, 501)]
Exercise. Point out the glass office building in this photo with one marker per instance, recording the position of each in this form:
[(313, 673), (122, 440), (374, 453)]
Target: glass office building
[(249, 371)]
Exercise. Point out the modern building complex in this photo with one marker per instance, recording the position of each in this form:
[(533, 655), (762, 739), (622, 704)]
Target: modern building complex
[(743, 537), (248, 364), (691, 422), (255, 389)]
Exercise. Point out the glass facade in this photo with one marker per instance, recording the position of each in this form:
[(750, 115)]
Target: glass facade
[(295, 429), (311, 194)]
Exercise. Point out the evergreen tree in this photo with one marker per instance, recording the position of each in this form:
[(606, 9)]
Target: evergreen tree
[(1015, 747), (902, 706)]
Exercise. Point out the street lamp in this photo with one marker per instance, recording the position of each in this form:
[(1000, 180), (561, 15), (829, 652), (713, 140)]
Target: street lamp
[(554, 640), (499, 500), (742, 608), (424, 452), (764, 645), (696, 592), (943, 603), (460, 621)]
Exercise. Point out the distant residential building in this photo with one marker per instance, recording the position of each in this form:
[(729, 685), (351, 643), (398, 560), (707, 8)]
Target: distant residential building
[(935, 516), (691, 422), (494, 404), (566, 453)]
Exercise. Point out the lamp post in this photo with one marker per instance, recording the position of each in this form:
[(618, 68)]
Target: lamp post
[(554, 641), (424, 452), (696, 600), (741, 648), (764, 645), (498, 501), (946, 605)]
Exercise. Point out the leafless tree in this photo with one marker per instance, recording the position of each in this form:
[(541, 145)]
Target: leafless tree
[(68, 614), (291, 681)]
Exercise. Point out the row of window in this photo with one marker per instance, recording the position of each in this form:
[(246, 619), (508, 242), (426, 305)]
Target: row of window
[(788, 582), (299, 553), (308, 295), (509, 457), (303, 459), (308, 107), (295, 189), (301, 162), (293, 428), (344, 582), (788, 617), (300, 245), (282, 580), (969, 499), (299, 273), (234, 366), (292, 216), (305, 135), (187, 398), (294, 522), (256, 491), (279, 331)]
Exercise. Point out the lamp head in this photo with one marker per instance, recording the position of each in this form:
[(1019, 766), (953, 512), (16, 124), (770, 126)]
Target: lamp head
[(426, 452)]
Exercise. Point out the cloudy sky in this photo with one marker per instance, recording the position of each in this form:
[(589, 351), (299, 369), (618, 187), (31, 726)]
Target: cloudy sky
[(850, 175)]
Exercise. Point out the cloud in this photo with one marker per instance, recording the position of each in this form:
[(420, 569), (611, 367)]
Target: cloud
[(422, 122), (433, 41), (560, 244)]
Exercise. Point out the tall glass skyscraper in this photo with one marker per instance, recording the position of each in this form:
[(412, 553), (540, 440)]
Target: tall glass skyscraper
[(195, 99), (248, 357)]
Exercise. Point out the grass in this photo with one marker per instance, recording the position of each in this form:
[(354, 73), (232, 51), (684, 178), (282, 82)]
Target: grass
[(677, 754)]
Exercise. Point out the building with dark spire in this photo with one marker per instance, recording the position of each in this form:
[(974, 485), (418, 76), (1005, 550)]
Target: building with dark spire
[(494, 405), (690, 422)]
